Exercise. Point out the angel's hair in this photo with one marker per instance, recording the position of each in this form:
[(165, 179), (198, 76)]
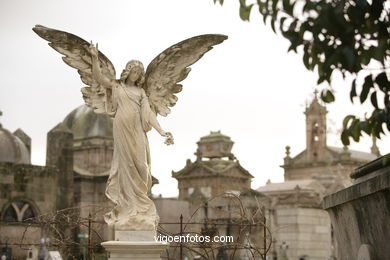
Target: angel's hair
[(132, 65)]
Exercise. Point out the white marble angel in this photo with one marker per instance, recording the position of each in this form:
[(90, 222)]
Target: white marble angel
[(133, 101)]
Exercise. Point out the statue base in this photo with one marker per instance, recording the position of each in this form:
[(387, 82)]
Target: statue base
[(134, 245)]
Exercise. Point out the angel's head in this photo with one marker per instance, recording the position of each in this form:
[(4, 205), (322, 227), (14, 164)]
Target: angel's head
[(133, 73)]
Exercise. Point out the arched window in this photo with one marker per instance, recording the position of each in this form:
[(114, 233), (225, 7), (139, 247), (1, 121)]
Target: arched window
[(18, 211), (315, 132)]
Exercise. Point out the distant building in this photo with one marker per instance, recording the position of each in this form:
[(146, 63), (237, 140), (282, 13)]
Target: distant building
[(205, 184), (78, 160), (320, 161), (298, 219), (79, 154), (215, 171), (27, 191)]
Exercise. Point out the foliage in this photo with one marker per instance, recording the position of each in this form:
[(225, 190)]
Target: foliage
[(349, 36)]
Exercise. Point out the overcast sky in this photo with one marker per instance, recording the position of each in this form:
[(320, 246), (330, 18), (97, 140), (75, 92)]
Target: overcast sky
[(248, 87)]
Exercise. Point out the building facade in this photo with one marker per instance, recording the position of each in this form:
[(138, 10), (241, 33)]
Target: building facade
[(301, 228), (29, 191), (218, 191)]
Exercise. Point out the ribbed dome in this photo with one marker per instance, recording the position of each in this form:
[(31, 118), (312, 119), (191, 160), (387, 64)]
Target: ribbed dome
[(84, 123), (12, 149)]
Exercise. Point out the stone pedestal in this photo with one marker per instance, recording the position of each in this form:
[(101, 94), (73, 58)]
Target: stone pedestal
[(134, 245), (131, 250), (360, 214)]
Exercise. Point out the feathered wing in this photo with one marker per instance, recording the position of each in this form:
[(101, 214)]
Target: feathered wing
[(76, 54), (172, 66)]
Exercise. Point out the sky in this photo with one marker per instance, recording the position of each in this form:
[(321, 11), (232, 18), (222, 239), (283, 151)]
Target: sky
[(248, 87)]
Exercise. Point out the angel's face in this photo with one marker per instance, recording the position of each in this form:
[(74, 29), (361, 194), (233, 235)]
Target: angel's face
[(134, 74)]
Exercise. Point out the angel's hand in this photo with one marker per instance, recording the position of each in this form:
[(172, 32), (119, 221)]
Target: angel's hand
[(93, 50), (169, 138)]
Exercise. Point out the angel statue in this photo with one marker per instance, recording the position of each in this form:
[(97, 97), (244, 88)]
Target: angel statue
[(133, 100)]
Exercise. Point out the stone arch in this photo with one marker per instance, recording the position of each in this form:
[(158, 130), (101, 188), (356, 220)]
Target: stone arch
[(19, 210)]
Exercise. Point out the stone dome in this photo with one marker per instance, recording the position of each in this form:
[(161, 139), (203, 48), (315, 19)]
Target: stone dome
[(85, 123), (12, 148)]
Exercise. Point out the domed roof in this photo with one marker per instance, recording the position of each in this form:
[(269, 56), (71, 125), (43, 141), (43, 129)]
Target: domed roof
[(84, 123), (12, 149), (215, 145), (216, 136)]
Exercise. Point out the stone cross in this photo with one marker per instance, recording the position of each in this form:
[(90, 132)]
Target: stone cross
[(316, 93)]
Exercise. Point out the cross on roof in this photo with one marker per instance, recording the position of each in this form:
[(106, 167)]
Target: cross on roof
[(316, 93)]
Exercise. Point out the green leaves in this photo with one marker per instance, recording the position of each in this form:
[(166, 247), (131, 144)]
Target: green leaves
[(373, 125), (353, 93), (349, 58), (245, 10), (355, 130), (368, 84), (351, 128), (374, 100), (327, 96), (345, 138), (383, 82), (288, 7)]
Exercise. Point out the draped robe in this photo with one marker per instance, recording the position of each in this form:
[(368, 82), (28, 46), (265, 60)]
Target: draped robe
[(130, 178)]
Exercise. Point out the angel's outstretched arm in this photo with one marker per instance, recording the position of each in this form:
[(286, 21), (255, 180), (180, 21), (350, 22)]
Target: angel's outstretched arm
[(151, 119), (96, 71)]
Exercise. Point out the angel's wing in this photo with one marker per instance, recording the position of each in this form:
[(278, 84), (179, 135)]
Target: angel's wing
[(171, 67), (76, 52)]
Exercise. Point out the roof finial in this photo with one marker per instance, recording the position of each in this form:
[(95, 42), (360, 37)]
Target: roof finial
[(288, 151), (198, 154), (316, 93), (374, 147), (287, 159)]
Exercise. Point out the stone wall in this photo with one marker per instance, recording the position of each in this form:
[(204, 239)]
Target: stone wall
[(218, 184), (315, 170), (90, 201), (93, 156), (306, 231), (12, 234), (32, 185), (37, 184), (360, 214)]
